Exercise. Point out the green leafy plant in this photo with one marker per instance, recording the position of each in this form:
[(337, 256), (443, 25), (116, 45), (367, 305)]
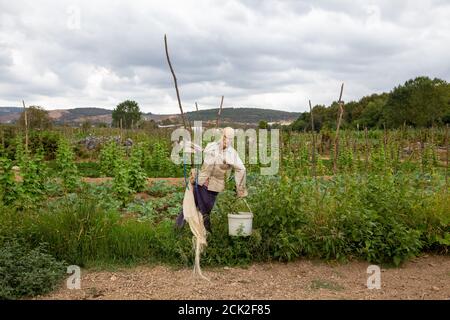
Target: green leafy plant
[(137, 178), (8, 185), (67, 169), (27, 272)]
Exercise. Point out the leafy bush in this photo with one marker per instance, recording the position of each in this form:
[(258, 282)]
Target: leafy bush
[(27, 272)]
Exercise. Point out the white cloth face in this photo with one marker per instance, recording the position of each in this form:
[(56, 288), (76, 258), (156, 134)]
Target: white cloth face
[(214, 154)]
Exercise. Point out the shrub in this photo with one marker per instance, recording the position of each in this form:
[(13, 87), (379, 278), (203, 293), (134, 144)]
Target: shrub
[(27, 272)]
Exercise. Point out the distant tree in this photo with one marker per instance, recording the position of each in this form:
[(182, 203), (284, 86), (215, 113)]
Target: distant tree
[(371, 114), (263, 125), (419, 102), (127, 111), (37, 118)]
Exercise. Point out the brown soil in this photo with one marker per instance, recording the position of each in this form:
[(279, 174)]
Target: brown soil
[(427, 277)]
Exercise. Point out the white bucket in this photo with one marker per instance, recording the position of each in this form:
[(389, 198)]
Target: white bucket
[(242, 220)]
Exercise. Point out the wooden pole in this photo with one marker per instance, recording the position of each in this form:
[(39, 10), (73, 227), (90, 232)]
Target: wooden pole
[(313, 141), (26, 125), (121, 130), (336, 139), (446, 161), (3, 140), (219, 112), (367, 148), (183, 117)]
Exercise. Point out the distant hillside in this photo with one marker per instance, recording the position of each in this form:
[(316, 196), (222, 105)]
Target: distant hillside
[(9, 110), (97, 115), (79, 115), (59, 116), (244, 115)]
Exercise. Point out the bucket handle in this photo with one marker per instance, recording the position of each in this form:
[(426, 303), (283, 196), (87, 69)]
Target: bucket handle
[(248, 206)]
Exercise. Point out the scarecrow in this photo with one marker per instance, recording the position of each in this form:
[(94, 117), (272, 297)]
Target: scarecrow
[(219, 159), (205, 184)]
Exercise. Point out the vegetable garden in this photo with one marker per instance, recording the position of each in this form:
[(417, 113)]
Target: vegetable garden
[(383, 197)]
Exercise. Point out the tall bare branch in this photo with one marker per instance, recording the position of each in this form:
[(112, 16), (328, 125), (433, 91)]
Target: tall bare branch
[(26, 125), (183, 117), (336, 139), (219, 112), (313, 140)]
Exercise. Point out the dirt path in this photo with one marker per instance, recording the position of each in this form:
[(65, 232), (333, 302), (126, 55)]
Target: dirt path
[(427, 277)]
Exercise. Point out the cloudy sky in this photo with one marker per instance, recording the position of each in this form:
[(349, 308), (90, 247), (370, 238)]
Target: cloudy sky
[(267, 54)]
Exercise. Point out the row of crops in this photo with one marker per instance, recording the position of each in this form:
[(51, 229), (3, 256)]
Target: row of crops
[(382, 197)]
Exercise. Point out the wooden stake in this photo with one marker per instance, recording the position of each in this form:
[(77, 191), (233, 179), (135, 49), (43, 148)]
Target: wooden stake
[(183, 117), (367, 148), (26, 125), (313, 141), (336, 139), (3, 140), (219, 112), (446, 162), (121, 130)]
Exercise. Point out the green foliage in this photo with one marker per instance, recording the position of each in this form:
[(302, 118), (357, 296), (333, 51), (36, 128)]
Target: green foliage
[(121, 186), (34, 174), (128, 113), (47, 140), (420, 102), (263, 125), (108, 158), (160, 189), (37, 118), (89, 169), (157, 162), (8, 185), (137, 179), (26, 272), (67, 169)]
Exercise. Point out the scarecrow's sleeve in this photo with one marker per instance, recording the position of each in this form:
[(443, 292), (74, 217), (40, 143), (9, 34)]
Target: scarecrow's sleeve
[(240, 174)]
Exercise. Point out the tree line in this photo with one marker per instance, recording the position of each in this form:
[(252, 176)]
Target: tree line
[(419, 102)]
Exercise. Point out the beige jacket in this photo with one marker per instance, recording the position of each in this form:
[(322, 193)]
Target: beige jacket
[(217, 163)]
